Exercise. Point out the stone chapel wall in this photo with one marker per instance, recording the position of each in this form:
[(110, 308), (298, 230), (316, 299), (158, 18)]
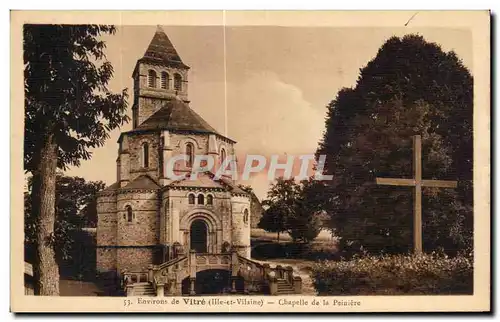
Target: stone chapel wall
[(135, 143)]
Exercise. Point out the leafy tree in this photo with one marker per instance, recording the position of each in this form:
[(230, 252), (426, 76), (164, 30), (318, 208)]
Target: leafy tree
[(74, 200), (278, 206), (293, 208), (411, 87), (68, 110), (305, 222)]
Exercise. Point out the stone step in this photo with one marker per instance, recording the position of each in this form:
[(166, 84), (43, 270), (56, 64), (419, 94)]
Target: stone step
[(285, 289)]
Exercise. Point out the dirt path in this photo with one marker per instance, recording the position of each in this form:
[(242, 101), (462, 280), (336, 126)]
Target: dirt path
[(301, 268)]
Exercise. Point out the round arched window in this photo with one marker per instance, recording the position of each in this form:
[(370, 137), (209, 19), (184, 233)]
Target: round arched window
[(222, 155), (245, 216), (164, 80), (191, 198), (151, 78), (189, 154), (145, 155), (130, 215), (201, 199), (177, 82)]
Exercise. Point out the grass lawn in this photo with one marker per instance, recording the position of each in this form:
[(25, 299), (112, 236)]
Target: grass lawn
[(261, 234)]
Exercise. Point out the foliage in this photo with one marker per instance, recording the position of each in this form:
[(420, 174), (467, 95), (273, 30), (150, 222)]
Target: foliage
[(411, 87), (65, 83), (395, 275), (292, 208), (75, 209), (68, 111)]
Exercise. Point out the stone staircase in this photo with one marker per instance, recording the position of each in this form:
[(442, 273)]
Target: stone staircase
[(144, 289), (284, 287), (259, 278)]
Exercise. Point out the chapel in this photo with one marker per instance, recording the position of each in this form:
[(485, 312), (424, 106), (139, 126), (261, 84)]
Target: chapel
[(146, 218)]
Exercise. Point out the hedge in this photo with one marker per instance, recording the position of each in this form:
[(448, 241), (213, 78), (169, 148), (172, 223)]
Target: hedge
[(395, 275)]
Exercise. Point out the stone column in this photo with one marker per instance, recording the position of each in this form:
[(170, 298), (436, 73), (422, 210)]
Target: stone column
[(192, 281), (150, 273), (192, 263), (233, 284), (129, 290), (297, 284), (289, 274), (160, 290)]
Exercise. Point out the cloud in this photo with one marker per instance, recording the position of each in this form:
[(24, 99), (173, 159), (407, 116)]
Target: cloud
[(269, 116)]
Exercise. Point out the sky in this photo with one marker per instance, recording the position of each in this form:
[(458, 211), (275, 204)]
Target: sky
[(266, 87)]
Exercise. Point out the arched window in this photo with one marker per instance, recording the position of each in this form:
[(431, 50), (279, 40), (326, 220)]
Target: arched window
[(145, 155), (189, 154), (164, 80), (201, 199), (245, 216), (210, 200), (177, 82), (151, 78), (191, 199), (222, 155), (129, 213)]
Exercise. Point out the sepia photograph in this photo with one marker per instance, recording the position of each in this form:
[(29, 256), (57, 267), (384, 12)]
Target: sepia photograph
[(251, 165)]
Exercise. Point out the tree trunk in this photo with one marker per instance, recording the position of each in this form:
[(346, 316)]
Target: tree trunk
[(278, 237), (45, 267)]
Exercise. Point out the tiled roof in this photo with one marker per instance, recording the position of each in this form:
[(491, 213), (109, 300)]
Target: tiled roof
[(142, 182), (176, 115), (112, 187), (206, 180), (203, 180), (161, 51)]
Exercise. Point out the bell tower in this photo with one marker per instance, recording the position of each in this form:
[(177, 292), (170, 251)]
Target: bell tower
[(158, 76)]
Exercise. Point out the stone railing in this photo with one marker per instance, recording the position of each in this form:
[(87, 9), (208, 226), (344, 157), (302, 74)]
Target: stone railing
[(261, 277), (129, 278), (254, 274), (167, 276)]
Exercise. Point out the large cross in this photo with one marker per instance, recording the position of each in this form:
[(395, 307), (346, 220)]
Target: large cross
[(418, 183)]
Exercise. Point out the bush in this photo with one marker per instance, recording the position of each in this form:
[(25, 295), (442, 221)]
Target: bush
[(394, 275)]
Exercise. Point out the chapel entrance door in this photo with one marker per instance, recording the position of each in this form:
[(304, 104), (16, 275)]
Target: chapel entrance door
[(199, 236)]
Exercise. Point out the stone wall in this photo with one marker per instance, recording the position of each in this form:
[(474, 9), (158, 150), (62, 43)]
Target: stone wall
[(240, 227), (145, 226), (135, 155), (106, 220), (106, 259), (179, 207), (135, 258)]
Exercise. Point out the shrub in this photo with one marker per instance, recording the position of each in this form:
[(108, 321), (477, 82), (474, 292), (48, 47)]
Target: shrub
[(396, 274)]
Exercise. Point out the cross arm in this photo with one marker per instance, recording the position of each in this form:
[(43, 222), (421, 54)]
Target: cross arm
[(395, 182), (439, 183)]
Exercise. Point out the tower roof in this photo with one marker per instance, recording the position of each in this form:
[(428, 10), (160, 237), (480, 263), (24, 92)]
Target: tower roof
[(176, 115), (161, 51)]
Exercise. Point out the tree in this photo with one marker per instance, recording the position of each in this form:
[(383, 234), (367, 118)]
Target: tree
[(410, 87), (278, 206), (305, 223), (75, 202), (294, 208), (68, 110)]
